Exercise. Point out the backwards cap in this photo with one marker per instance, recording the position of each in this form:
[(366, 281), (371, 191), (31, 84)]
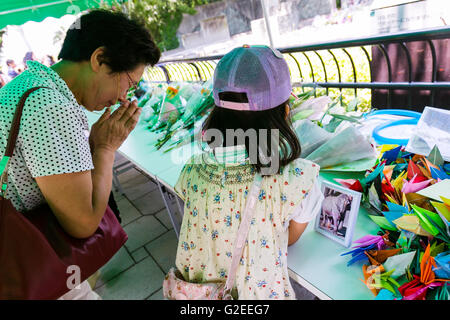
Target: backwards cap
[(258, 71)]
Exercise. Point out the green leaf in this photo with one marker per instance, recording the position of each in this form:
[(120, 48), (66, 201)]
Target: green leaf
[(303, 114), (343, 117), (306, 94), (332, 125), (353, 104), (331, 106), (302, 98)]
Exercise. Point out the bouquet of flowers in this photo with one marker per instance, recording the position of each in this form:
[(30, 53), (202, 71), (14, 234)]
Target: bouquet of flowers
[(169, 111), (198, 105), (326, 131), (152, 105)]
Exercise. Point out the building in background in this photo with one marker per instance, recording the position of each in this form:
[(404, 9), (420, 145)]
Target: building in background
[(220, 25)]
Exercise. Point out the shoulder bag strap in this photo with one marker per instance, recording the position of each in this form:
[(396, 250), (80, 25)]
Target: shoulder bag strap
[(13, 133), (243, 230)]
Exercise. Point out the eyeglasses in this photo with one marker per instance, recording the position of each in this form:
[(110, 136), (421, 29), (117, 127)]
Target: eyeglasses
[(133, 86)]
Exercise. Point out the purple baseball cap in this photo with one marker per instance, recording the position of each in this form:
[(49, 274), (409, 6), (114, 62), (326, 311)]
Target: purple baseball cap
[(258, 71)]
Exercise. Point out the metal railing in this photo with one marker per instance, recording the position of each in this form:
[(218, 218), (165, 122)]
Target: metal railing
[(336, 55)]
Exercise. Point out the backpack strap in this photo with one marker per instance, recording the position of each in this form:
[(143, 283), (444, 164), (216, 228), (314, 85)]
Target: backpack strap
[(243, 230)]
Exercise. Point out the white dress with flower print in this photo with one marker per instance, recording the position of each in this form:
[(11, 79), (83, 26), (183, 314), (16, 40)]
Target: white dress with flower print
[(214, 197)]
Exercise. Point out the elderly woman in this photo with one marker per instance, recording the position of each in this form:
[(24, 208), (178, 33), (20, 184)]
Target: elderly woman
[(56, 159)]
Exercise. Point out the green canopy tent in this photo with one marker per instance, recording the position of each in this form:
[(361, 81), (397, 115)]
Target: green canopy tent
[(17, 12)]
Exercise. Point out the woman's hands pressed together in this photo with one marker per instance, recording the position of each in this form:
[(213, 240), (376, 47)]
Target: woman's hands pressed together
[(111, 129), (79, 199)]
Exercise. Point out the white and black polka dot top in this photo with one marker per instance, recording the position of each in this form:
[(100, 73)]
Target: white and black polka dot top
[(53, 136)]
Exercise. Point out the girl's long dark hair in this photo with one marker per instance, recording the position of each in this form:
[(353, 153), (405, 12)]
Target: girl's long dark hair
[(222, 119)]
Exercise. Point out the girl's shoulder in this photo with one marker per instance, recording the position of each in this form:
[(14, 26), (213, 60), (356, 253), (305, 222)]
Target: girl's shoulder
[(299, 174), (300, 168)]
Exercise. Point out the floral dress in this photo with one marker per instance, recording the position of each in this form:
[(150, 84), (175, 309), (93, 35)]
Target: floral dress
[(214, 195)]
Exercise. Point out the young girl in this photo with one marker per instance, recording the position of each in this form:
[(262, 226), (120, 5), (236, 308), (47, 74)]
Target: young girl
[(251, 91)]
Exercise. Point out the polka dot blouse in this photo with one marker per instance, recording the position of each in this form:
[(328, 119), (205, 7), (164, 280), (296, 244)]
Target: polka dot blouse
[(53, 136)]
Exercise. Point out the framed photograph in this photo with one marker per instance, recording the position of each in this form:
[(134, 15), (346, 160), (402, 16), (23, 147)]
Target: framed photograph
[(337, 217)]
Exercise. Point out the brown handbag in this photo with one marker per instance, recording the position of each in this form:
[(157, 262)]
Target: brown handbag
[(38, 259)]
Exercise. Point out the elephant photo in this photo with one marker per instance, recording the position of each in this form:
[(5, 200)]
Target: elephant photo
[(335, 207)]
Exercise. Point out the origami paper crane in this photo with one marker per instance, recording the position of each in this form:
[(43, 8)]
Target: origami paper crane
[(391, 216), (415, 290), (377, 257), (442, 269), (385, 294), (358, 254), (387, 188), (446, 167), (413, 197), (404, 240), (444, 213), (391, 155), (425, 216), (382, 242), (413, 170), (376, 279), (442, 293), (439, 173), (383, 223), (410, 222), (446, 201), (373, 198), (432, 223), (414, 185), (397, 183), (435, 157), (371, 176), (418, 287), (387, 172), (436, 248), (395, 207), (369, 280), (419, 200), (399, 263), (352, 184), (399, 167), (386, 147), (406, 154), (427, 276), (437, 190)]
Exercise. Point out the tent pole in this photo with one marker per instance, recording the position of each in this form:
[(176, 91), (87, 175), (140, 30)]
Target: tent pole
[(266, 18), (34, 7)]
